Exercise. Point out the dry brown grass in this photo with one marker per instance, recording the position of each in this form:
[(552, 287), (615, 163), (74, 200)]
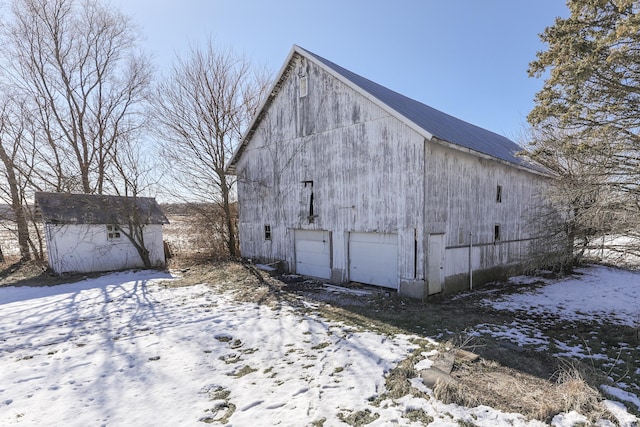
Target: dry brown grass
[(488, 383)]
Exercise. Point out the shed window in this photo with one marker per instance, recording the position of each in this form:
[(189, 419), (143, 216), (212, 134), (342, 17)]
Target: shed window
[(303, 86), (267, 232), (113, 232), (499, 194), (496, 233)]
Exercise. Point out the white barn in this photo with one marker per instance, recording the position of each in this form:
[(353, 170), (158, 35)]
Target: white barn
[(86, 232), (345, 180)]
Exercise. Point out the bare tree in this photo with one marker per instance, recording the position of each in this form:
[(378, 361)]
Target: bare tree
[(590, 194), (76, 62), (16, 168), (134, 176), (201, 110), (82, 86), (10, 138)]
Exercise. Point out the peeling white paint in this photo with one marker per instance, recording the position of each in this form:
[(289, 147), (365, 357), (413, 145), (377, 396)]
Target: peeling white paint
[(373, 173)]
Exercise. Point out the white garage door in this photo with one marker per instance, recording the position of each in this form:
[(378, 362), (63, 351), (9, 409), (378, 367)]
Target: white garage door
[(313, 253), (373, 259)]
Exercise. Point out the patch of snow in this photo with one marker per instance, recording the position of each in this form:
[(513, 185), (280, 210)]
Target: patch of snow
[(623, 395), (452, 415), (265, 267), (597, 291), (349, 291), (423, 364), (618, 257), (577, 351), (430, 353), (519, 334), (125, 350), (625, 419), (569, 419)]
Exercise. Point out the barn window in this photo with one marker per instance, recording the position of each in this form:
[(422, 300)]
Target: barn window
[(303, 86), (267, 232), (499, 194), (113, 232), (311, 217), (496, 233)]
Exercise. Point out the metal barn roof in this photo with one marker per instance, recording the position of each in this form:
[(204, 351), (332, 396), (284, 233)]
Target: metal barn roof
[(439, 124), (433, 124)]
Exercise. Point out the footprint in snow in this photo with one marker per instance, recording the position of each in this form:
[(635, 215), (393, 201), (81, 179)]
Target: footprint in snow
[(252, 405), (223, 337), (302, 390), (276, 405)]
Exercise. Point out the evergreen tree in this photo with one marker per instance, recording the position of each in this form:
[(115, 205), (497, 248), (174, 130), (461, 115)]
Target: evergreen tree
[(587, 119)]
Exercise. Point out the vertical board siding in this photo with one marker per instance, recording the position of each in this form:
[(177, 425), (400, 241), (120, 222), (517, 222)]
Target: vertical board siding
[(372, 173), (85, 248), (365, 165), (461, 192)]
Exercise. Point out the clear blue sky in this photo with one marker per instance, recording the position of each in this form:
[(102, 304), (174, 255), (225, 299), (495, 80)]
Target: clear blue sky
[(467, 58)]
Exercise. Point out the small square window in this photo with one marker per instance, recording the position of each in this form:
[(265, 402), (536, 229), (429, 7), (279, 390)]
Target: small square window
[(113, 232), (499, 194), (267, 232), (496, 233)]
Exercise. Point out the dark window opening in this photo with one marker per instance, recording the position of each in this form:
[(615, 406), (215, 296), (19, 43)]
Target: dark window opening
[(311, 216), (499, 194), (113, 232), (496, 233), (267, 232)]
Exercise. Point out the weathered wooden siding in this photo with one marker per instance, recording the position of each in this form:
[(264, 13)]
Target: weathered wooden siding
[(370, 172), (462, 202), (85, 248), (365, 165)]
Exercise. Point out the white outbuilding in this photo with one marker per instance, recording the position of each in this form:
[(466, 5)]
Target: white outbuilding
[(92, 233), (343, 179)]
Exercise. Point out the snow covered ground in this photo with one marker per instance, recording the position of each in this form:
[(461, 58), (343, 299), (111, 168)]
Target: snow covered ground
[(593, 295), (125, 349)]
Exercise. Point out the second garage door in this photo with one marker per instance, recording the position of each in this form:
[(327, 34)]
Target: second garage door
[(373, 259)]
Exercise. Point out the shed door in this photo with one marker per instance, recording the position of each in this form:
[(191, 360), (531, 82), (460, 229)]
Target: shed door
[(373, 259), (435, 258), (313, 253)]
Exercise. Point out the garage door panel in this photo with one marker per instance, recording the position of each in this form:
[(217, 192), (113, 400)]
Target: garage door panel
[(313, 253), (384, 260), (311, 246), (373, 259)]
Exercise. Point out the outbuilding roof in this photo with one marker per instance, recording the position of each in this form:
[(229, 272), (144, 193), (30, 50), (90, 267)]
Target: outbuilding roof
[(67, 208), (432, 123)]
